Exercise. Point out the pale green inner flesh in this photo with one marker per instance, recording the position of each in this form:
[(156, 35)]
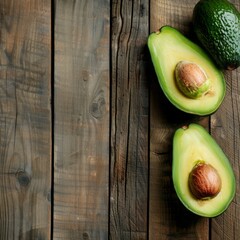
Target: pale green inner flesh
[(170, 48), (197, 148)]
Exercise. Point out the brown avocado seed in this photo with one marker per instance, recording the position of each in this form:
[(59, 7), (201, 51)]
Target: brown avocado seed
[(191, 79), (204, 181)]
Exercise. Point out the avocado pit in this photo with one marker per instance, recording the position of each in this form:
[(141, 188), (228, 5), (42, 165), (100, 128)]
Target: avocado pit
[(191, 79), (204, 181)]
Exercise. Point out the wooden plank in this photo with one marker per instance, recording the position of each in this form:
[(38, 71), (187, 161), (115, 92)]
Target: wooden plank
[(168, 218), (225, 128), (130, 119), (81, 125), (25, 119)]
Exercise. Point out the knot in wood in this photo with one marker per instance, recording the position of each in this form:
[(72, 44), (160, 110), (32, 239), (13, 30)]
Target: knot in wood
[(98, 108), (23, 178)]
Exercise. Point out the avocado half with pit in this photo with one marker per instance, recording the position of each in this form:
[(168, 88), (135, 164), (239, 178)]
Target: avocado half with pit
[(172, 53), (202, 174)]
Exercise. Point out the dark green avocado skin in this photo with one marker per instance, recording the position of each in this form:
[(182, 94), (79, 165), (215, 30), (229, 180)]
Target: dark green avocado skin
[(217, 26)]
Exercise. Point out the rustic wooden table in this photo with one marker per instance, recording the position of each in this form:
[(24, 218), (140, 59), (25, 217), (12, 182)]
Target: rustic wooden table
[(85, 130)]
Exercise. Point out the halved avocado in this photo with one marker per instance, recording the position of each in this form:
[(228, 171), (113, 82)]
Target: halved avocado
[(167, 48), (193, 146)]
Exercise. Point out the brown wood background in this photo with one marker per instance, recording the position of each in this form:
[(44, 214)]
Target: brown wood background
[(85, 130)]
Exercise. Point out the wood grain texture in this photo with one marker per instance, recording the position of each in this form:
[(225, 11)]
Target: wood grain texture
[(225, 129), (168, 218), (225, 125), (81, 126), (130, 119), (25, 119)]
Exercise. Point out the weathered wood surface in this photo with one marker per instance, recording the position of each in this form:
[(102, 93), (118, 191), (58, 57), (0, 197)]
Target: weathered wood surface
[(130, 121), (225, 128), (25, 119), (81, 122), (85, 130)]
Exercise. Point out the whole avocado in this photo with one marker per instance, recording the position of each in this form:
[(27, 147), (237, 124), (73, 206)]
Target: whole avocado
[(217, 26)]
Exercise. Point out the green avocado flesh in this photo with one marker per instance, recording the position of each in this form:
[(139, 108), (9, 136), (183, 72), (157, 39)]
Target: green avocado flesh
[(192, 144), (167, 48), (217, 26)]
